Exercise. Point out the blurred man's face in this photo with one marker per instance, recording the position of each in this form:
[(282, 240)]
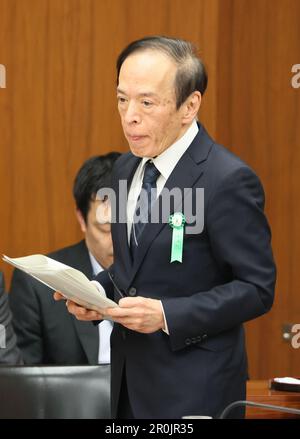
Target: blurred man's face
[(98, 236), (147, 103)]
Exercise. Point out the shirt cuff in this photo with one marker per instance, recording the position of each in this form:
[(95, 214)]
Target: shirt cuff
[(166, 329)]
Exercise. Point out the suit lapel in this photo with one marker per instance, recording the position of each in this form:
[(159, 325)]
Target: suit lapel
[(125, 174), (186, 173), (88, 335)]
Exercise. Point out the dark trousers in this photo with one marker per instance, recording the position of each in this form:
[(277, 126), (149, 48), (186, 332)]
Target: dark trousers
[(124, 406)]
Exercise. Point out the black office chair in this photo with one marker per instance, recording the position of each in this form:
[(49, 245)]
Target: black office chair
[(55, 392)]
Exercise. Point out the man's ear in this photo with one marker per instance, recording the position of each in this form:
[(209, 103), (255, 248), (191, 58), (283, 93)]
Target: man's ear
[(191, 107), (81, 220)]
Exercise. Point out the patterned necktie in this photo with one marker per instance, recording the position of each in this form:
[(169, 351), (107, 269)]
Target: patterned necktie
[(144, 203)]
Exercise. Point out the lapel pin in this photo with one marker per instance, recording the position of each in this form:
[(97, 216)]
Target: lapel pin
[(176, 222)]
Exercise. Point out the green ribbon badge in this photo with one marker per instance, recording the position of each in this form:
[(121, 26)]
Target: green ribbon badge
[(177, 221)]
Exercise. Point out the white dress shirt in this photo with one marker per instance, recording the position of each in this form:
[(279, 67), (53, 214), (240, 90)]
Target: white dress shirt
[(165, 163), (105, 327)]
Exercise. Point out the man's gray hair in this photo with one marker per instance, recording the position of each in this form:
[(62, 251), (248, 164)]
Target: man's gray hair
[(191, 73)]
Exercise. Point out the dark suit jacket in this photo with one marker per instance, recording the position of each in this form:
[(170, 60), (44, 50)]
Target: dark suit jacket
[(227, 277), (9, 352), (46, 332)]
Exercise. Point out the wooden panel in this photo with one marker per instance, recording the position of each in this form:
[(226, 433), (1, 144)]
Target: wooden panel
[(258, 117), (59, 106), (259, 392)]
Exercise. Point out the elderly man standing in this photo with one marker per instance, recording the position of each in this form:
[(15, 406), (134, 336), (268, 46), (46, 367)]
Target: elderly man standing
[(178, 341)]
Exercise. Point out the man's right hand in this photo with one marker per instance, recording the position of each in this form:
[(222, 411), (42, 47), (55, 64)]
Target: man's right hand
[(78, 311)]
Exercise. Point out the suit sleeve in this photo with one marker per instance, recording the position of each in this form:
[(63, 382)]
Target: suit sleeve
[(26, 317), (239, 237)]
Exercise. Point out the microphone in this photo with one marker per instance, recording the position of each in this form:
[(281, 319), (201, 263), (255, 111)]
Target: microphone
[(278, 408)]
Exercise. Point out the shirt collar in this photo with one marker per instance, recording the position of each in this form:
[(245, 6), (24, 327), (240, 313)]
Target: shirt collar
[(95, 265), (168, 159)]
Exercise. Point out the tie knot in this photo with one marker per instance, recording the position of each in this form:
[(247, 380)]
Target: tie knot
[(151, 173)]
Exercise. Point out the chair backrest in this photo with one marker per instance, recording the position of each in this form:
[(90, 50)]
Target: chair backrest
[(55, 392)]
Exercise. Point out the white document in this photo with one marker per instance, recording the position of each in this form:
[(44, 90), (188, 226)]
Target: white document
[(73, 284), (287, 380)]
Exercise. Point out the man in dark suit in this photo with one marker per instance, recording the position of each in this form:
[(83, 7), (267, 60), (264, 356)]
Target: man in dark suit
[(9, 352), (46, 332), (188, 284)]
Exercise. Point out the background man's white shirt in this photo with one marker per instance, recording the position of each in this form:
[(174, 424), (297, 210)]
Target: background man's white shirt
[(105, 327)]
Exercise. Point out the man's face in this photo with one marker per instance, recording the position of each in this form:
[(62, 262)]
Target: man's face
[(97, 235), (147, 103)]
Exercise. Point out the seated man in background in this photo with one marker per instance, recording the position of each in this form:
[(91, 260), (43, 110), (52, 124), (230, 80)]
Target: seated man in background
[(46, 332), (9, 352)]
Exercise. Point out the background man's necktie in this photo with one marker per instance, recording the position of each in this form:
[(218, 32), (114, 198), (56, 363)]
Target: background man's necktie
[(143, 206)]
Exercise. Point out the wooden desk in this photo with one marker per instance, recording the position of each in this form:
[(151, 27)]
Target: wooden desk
[(258, 391)]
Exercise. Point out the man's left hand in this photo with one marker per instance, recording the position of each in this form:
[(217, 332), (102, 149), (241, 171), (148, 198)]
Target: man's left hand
[(138, 314)]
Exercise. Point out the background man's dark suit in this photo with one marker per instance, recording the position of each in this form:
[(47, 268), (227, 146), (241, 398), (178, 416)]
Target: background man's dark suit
[(46, 332), (9, 353), (226, 277)]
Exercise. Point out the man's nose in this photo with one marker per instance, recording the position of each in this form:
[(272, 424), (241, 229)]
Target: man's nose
[(132, 115)]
